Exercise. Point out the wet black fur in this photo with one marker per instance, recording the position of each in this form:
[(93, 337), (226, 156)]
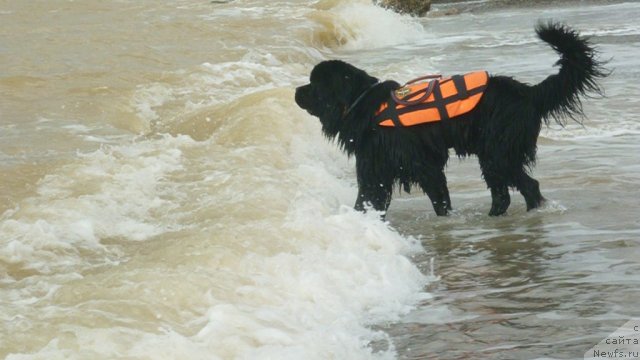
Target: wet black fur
[(502, 130)]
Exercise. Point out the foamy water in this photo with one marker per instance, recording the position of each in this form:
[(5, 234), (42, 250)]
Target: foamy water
[(162, 196), (218, 227)]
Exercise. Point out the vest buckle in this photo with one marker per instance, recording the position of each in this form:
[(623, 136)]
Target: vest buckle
[(403, 91)]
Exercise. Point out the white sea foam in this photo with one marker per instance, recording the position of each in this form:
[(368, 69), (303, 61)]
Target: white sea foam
[(284, 267), (149, 97), (362, 25), (333, 287), (109, 193), (213, 84)]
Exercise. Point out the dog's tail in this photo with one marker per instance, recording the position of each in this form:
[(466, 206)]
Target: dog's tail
[(558, 96)]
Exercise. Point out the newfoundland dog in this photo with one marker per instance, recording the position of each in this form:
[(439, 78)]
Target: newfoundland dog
[(501, 129)]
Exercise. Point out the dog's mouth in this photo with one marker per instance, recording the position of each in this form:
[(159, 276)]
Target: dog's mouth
[(301, 98), (306, 108), (311, 112)]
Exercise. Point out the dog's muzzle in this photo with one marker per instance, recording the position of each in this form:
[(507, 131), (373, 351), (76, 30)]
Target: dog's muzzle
[(301, 95)]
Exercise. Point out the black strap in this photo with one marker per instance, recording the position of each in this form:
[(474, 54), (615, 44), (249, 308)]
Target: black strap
[(393, 113), (429, 105), (461, 86), (426, 93), (440, 104), (358, 99)]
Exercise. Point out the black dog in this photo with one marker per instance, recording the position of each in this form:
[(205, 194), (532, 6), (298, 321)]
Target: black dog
[(501, 130)]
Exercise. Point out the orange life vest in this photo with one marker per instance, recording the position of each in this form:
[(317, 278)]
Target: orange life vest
[(439, 99)]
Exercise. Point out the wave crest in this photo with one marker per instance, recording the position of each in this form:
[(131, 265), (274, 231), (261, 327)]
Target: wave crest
[(358, 25)]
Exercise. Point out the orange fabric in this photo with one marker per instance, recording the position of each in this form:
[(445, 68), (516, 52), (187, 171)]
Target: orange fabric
[(475, 82)]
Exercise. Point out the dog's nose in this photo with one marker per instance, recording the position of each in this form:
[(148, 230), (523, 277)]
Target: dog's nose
[(299, 95)]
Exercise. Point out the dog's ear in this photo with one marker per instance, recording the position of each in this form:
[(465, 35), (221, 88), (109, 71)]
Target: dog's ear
[(343, 88), (340, 83), (347, 86)]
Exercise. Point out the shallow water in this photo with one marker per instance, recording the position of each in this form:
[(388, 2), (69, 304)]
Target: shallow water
[(163, 197)]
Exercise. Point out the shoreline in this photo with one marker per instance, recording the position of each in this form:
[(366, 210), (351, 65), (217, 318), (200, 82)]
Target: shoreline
[(454, 7)]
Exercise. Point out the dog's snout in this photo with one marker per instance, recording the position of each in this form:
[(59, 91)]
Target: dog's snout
[(301, 95)]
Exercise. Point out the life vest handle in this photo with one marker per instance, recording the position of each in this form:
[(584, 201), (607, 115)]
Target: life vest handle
[(424, 96), (426, 77)]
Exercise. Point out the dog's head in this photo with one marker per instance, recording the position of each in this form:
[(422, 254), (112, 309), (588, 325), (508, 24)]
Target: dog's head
[(334, 86)]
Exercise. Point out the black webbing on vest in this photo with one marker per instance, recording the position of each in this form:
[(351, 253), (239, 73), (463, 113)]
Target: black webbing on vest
[(428, 105), (440, 104), (393, 112), (461, 86)]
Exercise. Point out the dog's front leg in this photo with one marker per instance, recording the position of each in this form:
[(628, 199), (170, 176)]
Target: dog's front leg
[(373, 189), (378, 198), (434, 183), (361, 200)]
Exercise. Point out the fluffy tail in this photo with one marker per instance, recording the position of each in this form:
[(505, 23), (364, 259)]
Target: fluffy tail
[(559, 95)]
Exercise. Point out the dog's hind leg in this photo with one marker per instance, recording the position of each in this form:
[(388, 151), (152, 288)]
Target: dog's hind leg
[(447, 197), (530, 189), (498, 175), (435, 185), (498, 182), (500, 200)]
